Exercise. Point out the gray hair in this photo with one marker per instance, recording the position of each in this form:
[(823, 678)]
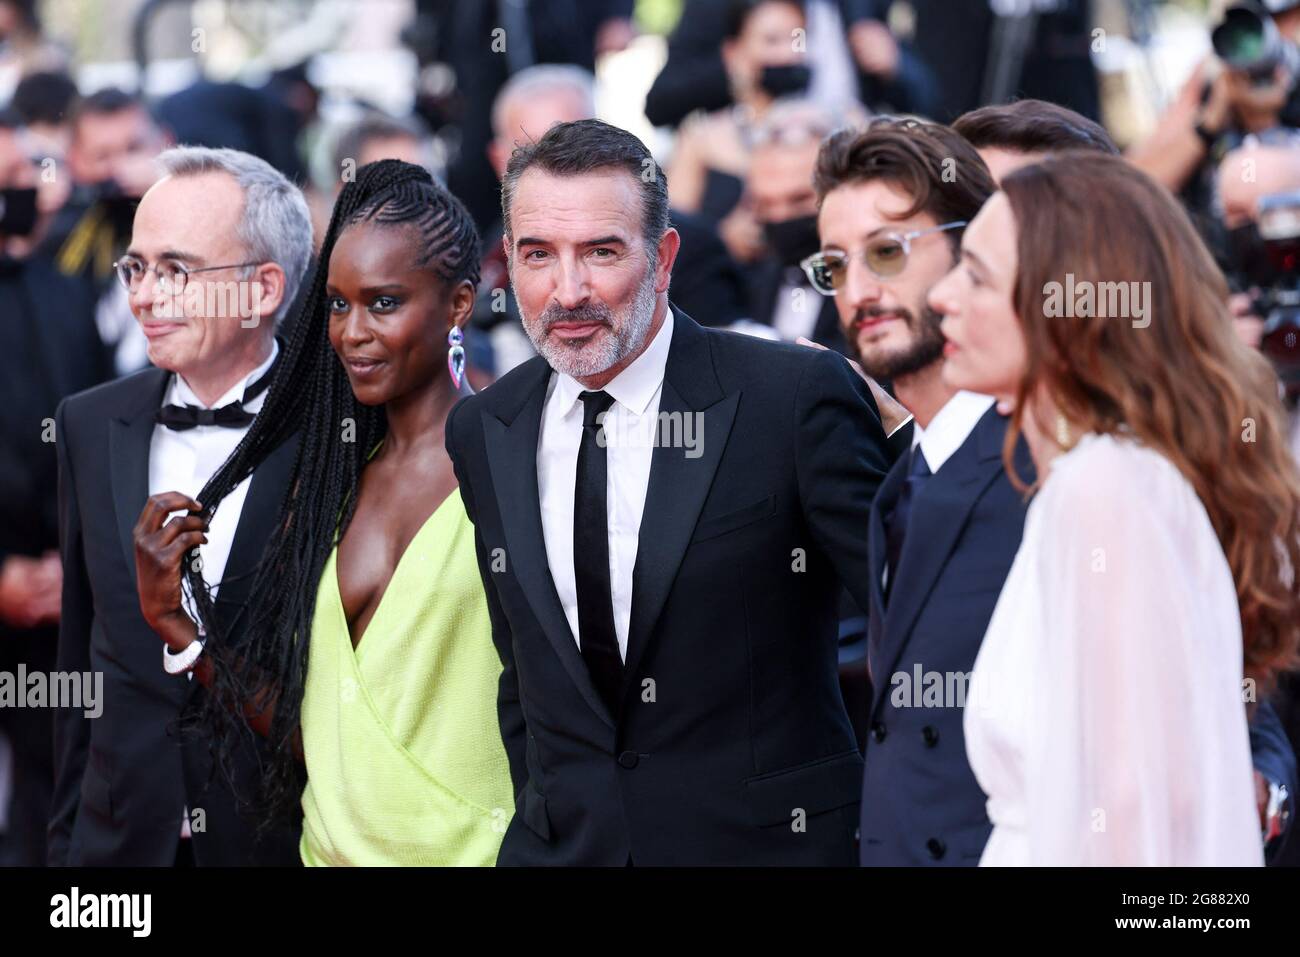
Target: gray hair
[(584, 146), (537, 80), (356, 136), (274, 226), (796, 120)]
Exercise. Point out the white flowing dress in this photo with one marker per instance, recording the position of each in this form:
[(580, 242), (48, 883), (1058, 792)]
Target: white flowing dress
[(1105, 719)]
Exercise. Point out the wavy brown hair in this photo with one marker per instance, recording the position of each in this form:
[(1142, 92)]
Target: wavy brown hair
[(1184, 385)]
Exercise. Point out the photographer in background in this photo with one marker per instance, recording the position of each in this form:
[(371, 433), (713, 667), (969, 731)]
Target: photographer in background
[(110, 160), (780, 188), (1258, 193), (1257, 239), (1251, 84), (711, 155), (51, 350)]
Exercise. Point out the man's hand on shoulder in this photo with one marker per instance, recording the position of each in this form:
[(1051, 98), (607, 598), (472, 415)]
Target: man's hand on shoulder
[(893, 416)]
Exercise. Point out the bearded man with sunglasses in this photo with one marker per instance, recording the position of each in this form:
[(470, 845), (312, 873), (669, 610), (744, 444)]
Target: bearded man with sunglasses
[(946, 522), (129, 790)]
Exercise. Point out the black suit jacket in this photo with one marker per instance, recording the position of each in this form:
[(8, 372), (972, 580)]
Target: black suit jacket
[(920, 802), (52, 349), (124, 778), (731, 744)]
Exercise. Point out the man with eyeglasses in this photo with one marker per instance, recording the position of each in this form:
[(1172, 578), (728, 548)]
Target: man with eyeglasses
[(218, 249), (111, 163), (946, 522), (779, 184)]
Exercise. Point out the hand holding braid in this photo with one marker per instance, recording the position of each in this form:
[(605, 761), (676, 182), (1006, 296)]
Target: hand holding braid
[(267, 661)]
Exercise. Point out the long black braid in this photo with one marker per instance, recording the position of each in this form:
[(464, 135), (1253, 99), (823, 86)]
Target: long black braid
[(310, 394)]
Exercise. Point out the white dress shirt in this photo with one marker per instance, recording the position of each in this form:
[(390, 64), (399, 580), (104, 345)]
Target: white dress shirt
[(630, 432), (184, 461), (950, 428), (798, 307)]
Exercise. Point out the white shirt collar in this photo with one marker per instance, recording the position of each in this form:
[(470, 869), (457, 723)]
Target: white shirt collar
[(950, 427), (180, 393), (635, 386)]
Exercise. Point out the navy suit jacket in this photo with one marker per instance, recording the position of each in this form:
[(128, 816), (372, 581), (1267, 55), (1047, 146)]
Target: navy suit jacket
[(920, 802), (1271, 753)]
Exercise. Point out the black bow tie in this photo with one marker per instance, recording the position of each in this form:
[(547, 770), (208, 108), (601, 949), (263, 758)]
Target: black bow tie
[(179, 418)]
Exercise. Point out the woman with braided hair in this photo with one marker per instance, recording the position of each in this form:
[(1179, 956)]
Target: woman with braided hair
[(365, 651)]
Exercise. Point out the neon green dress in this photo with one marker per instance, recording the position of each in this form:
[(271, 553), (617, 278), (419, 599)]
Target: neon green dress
[(405, 764)]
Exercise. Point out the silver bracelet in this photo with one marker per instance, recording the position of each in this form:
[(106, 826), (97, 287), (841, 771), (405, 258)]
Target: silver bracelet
[(182, 661)]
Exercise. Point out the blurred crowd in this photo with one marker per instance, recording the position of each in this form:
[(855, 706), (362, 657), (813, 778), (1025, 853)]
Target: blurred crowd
[(747, 94)]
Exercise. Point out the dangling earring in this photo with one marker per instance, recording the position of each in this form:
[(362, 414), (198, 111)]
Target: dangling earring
[(456, 355), (1063, 438)]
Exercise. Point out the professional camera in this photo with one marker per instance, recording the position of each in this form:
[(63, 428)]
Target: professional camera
[(18, 211), (1263, 258), (1248, 40)]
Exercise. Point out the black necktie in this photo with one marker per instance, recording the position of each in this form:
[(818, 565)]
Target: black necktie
[(918, 473), (178, 418), (596, 635)]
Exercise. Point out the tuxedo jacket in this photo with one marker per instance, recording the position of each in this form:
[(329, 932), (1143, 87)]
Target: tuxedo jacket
[(124, 778), (730, 743), (920, 802)]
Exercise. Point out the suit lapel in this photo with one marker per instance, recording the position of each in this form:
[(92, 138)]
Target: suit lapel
[(510, 433), (939, 515), (900, 442), (679, 484), (128, 456), (675, 495), (877, 556)]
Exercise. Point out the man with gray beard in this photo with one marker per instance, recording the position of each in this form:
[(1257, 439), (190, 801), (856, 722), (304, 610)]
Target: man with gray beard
[(663, 513)]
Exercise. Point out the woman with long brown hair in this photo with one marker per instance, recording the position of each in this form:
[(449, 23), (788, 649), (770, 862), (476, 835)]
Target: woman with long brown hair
[(1154, 595)]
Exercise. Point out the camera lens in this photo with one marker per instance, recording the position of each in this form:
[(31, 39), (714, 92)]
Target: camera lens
[(1242, 40)]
